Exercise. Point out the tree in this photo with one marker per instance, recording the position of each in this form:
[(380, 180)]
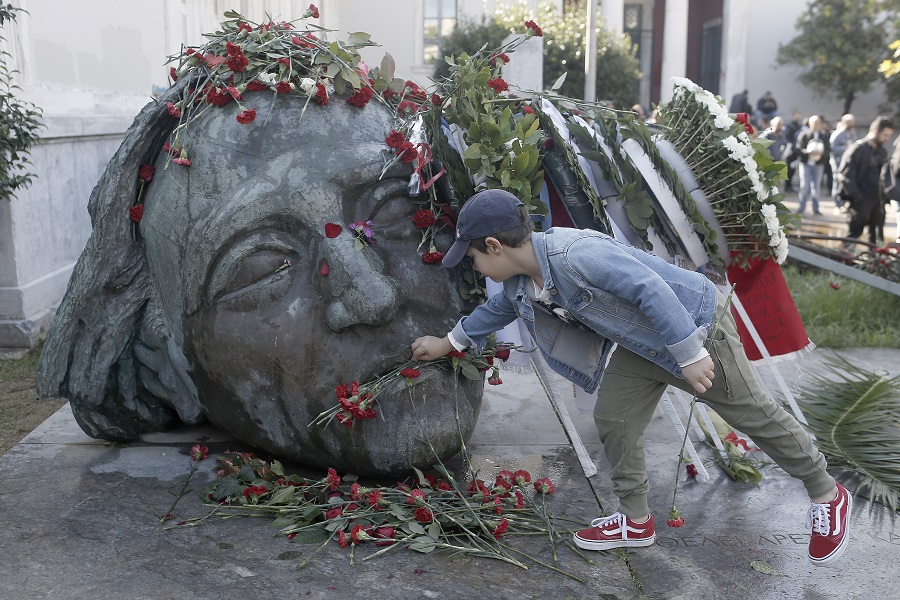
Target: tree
[(840, 45), (890, 68), (19, 124), (618, 72)]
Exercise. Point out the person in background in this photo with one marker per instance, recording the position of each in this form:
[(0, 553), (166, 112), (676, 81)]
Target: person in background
[(859, 182), (639, 112), (775, 134), (895, 169), (827, 172), (766, 108), (741, 104), (841, 138), (791, 130), (812, 147)]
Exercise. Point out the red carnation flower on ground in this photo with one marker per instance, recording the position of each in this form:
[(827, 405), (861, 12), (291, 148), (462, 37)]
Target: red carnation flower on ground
[(256, 86), (679, 522), (286, 61), (218, 97), (432, 258), (334, 513), (358, 534), (535, 30), (361, 97), (834, 286), (184, 162), (246, 116), (415, 496), (332, 230), (423, 219), (199, 452), (283, 87), (237, 63), (321, 94), (410, 373), (135, 213), (498, 85), (423, 515), (501, 528), (145, 173), (235, 93), (691, 471), (374, 498), (342, 539), (521, 477), (333, 479), (256, 490), (544, 485), (520, 500)]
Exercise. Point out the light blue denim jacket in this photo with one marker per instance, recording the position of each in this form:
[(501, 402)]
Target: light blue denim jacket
[(639, 301)]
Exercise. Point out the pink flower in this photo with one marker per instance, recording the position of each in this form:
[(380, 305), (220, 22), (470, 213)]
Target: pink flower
[(544, 485), (246, 116), (325, 270)]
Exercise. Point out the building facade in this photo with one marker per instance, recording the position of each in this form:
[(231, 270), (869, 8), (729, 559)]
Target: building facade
[(91, 65)]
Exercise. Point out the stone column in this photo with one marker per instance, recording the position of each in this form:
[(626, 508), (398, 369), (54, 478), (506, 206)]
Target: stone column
[(613, 13), (526, 65), (590, 53), (735, 16), (674, 46)]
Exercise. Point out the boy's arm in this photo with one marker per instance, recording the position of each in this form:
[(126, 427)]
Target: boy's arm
[(495, 314)]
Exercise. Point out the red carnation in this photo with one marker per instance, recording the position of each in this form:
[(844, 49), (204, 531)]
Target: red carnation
[(395, 139), (410, 373), (521, 477), (501, 58), (235, 93), (535, 30), (184, 162), (136, 212), (218, 97), (374, 498), (256, 490), (342, 539), (501, 528), (321, 94), (256, 86), (432, 258), (455, 353), (520, 500), (199, 452), (237, 63), (502, 352), (333, 479), (361, 97), (415, 496), (408, 108), (334, 513), (498, 85), (527, 110), (494, 379), (407, 152), (244, 27), (544, 485), (145, 173), (173, 110), (246, 116), (173, 74), (423, 219), (285, 61), (675, 522), (436, 100), (283, 87), (332, 230), (358, 534), (423, 515), (312, 11), (691, 471)]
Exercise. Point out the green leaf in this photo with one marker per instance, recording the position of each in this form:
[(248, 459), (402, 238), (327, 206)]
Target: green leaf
[(227, 487), (559, 82), (277, 468), (434, 530), (766, 568), (388, 66), (358, 38), (416, 528), (282, 496), (420, 476), (312, 535), (470, 372)]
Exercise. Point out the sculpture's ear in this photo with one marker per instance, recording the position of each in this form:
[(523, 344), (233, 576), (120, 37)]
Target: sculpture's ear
[(107, 330)]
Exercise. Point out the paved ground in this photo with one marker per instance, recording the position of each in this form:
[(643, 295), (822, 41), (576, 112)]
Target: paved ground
[(80, 520)]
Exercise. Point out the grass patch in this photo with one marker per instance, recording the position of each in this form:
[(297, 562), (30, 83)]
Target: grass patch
[(20, 410), (854, 315)]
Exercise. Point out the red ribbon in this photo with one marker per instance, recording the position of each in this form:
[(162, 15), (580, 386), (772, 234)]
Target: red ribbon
[(422, 159)]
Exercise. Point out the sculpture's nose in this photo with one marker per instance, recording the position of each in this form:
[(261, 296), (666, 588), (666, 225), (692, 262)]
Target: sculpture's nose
[(362, 294)]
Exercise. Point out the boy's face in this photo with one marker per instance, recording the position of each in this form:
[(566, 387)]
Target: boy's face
[(495, 263)]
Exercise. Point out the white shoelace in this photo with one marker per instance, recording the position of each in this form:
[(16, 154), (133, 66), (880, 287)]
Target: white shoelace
[(617, 518), (818, 518)]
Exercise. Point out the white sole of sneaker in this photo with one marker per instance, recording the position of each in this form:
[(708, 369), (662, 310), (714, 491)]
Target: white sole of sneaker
[(839, 551), (595, 545)]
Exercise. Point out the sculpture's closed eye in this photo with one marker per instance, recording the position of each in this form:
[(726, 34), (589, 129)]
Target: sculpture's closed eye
[(259, 267)]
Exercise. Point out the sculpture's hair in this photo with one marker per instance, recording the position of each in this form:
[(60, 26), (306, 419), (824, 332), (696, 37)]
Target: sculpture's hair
[(109, 350)]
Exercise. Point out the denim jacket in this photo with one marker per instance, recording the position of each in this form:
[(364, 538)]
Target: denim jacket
[(627, 296)]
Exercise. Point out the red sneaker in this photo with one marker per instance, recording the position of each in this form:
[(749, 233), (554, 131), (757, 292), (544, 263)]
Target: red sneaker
[(615, 531), (830, 525)]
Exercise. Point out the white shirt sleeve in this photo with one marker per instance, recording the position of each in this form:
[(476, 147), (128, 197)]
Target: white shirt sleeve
[(699, 356), (459, 347)]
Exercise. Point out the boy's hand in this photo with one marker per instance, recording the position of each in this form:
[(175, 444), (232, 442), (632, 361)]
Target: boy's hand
[(699, 374), (429, 347)]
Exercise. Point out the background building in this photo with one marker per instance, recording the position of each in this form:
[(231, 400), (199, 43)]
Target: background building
[(92, 64)]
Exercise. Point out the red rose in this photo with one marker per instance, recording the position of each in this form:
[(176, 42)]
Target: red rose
[(535, 30), (423, 515), (502, 352), (361, 97), (246, 116), (332, 230), (283, 87), (423, 219), (432, 258), (385, 535), (395, 139), (136, 212), (146, 172), (501, 528), (342, 539), (498, 85), (410, 373), (321, 94), (256, 86)]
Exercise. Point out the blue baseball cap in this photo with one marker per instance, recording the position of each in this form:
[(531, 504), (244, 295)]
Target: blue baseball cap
[(486, 213)]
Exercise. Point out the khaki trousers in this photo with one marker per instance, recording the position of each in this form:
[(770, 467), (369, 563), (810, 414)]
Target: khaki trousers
[(632, 386)]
